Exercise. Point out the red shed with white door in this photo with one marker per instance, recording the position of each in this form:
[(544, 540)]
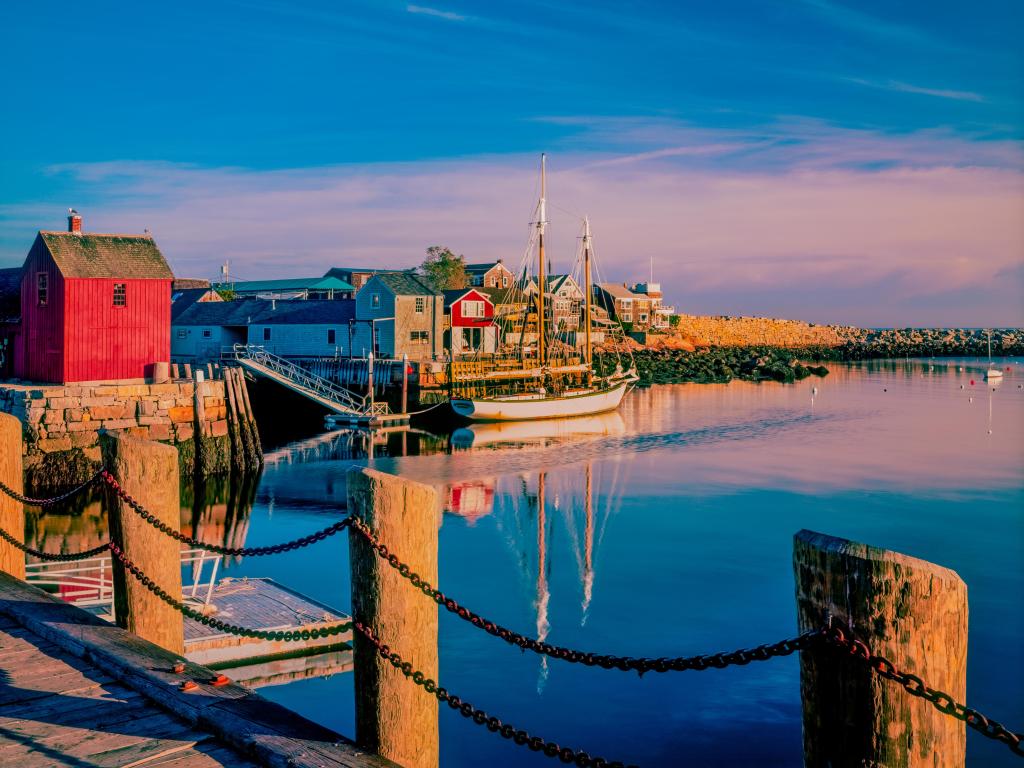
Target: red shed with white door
[(94, 307)]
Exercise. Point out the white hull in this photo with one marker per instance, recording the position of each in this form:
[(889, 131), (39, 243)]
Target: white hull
[(529, 407), (993, 373), (538, 431)]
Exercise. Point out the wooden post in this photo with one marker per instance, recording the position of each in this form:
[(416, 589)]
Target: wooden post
[(147, 471), (405, 382), (234, 423), (910, 611), (394, 717), (369, 378), (250, 422), (12, 513)]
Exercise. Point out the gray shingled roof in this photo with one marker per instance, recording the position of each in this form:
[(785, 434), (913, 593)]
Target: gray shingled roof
[(183, 298), (132, 257), (247, 311), (406, 284)]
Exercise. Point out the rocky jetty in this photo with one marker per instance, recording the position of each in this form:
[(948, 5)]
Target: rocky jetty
[(719, 366)]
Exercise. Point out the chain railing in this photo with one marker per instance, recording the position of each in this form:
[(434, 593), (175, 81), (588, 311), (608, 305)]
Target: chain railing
[(829, 636), (270, 549), (33, 502)]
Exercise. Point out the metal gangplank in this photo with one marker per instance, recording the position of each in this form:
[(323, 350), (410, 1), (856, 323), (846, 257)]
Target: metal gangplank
[(318, 389)]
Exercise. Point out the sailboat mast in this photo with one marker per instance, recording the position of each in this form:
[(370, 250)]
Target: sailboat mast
[(588, 355), (542, 208)]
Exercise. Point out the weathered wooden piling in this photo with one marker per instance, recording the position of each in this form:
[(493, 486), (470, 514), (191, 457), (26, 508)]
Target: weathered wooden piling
[(393, 717), (238, 459), (148, 472), (910, 611), (253, 443), (12, 513), (405, 383)]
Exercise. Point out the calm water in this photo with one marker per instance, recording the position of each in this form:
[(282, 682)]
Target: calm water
[(684, 547)]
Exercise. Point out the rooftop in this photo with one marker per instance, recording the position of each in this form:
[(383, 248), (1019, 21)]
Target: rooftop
[(293, 284), (132, 257), (250, 310), (406, 284)]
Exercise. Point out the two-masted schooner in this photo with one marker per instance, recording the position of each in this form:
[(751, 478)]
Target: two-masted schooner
[(548, 387)]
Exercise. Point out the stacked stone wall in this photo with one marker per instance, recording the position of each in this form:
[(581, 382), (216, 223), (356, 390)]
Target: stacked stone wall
[(725, 331), (62, 424)]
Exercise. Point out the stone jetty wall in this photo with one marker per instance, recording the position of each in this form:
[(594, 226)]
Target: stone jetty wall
[(62, 424), (724, 331)]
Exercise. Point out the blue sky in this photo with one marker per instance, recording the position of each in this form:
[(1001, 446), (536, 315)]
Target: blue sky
[(286, 136)]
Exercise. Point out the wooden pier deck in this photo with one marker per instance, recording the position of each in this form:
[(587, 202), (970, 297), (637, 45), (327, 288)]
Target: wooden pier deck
[(76, 691)]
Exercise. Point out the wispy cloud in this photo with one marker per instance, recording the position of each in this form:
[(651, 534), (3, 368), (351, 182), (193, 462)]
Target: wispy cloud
[(844, 16), (800, 218), (436, 13), (901, 87)]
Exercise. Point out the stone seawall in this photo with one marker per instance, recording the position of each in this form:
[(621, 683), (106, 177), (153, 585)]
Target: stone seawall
[(725, 331), (62, 425)]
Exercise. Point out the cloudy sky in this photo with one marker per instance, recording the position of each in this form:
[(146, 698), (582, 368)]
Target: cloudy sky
[(817, 159)]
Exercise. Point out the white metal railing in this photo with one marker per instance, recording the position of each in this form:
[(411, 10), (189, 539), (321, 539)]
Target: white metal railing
[(300, 377), (89, 583)]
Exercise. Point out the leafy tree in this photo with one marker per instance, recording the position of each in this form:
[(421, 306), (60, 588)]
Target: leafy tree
[(444, 269), (674, 321), (228, 294)]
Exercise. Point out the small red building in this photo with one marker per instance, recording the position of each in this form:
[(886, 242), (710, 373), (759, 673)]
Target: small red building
[(93, 307), (471, 327)]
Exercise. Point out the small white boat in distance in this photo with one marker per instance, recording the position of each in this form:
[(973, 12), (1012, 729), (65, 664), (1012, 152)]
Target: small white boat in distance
[(539, 405), (992, 372)]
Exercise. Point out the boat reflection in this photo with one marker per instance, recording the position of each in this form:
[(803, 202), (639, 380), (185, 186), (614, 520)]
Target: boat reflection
[(540, 433)]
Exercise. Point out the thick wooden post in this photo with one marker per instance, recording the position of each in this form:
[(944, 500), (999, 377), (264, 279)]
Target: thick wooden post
[(910, 611), (405, 383), (147, 471), (12, 513), (394, 717)]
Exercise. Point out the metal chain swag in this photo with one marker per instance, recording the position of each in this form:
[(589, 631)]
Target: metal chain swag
[(829, 635), (271, 549)]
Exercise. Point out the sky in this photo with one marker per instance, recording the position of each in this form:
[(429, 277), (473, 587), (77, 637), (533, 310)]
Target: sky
[(837, 162)]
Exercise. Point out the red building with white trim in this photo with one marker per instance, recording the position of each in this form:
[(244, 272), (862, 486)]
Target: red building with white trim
[(94, 307), (471, 328)]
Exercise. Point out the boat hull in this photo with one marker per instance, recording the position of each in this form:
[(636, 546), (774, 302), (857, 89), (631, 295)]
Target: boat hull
[(533, 407)]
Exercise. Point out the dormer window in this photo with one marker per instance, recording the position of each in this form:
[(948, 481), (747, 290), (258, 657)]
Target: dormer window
[(120, 295), (375, 300)]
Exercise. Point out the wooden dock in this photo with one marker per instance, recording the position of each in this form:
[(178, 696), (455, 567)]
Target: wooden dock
[(77, 691)]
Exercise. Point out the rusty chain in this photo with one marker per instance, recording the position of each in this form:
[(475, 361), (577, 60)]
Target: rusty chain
[(33, 502), (271, 549), (480, 717), (57, 558), (622, 663), (209, 621), (835, 636)]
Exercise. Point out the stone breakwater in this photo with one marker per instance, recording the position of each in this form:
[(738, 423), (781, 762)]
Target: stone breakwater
[(725, 331), (720, 365), (62, 425)]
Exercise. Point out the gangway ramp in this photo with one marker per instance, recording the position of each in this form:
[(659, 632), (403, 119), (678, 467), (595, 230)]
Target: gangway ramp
[(324, 392)]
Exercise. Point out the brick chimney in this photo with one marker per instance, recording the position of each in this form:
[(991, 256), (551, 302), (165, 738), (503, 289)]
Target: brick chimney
[(74, 221)]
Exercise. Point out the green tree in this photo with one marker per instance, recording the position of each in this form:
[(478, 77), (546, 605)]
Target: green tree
[(444, 269), (228, 294), (674, 320)]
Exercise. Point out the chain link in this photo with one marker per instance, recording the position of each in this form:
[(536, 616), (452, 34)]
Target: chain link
[(57, 558), (622, 663), (480, 717), (209, 621), (33, 502), (915, 686), (271, 549)]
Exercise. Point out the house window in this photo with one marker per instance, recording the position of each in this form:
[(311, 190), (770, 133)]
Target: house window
[(207, 333), (375, 300), (421, 305), (472, 309), (266, 334), (504, 281), (182, 333), (120, 295), (330, 335), (627, 317), (419, 337), (42, 288), (643, 317)]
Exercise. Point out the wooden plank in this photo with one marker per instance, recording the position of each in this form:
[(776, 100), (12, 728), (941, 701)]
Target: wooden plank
[(234, 714)]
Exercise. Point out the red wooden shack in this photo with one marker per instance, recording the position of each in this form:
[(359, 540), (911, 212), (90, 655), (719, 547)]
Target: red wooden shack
[(470, 316), (93, 307)]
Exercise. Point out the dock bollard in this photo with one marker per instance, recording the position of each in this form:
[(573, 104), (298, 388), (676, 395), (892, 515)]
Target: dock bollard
[(12, 513), (394, 718), (148, 472), (912, 612)]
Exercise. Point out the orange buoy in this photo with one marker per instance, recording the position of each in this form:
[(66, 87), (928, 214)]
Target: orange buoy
[(187, 686)]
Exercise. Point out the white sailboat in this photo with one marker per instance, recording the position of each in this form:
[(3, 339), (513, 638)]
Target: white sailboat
[(595, 396), (992, 372)]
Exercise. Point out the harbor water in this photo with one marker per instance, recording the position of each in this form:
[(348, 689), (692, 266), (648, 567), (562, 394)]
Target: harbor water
[(666, 529)]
